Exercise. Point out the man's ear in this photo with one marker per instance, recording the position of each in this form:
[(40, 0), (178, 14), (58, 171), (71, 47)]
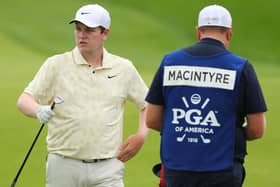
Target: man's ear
[(198, 34), (106, 33), (229, 34)]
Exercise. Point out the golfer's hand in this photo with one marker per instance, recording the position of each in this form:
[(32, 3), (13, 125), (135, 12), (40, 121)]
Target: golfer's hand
[(131, 147), (44, 113)]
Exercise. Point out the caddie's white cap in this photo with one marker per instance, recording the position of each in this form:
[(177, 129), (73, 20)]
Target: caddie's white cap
[(93, 15), (214, 15)]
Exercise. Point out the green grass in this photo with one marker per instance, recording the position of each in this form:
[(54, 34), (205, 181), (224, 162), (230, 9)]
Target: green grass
[(142, 31)]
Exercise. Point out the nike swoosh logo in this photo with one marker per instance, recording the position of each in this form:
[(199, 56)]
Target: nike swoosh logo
[(111, 76), (83, 13)]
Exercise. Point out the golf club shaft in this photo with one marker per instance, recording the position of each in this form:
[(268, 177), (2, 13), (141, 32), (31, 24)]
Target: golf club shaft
[(29, 151), (27, 155)]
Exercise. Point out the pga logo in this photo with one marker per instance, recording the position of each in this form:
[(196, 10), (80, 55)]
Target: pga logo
[(194, 116)]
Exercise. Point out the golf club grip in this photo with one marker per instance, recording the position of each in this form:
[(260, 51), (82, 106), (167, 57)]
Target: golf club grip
[(29, 151)]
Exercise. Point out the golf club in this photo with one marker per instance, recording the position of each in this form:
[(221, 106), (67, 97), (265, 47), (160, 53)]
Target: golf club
[(205, 140), (181, 138), (57, 100)]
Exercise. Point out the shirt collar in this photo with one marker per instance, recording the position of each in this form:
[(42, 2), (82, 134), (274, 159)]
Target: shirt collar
[(79, 59), (212, 41)]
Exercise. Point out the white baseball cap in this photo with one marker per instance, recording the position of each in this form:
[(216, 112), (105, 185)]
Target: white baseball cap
[(93, 15), (214, 15)]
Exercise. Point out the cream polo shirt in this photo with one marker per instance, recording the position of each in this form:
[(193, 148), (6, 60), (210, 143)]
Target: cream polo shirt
[(89, 123)]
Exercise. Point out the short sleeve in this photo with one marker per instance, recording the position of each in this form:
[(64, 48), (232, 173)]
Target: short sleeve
[(41, 87)]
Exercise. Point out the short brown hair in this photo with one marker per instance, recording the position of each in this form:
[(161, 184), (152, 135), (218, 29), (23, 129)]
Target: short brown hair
[(213, 28)]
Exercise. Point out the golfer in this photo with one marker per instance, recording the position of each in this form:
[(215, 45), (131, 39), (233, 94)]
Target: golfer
[(84, 138), (199, 99)]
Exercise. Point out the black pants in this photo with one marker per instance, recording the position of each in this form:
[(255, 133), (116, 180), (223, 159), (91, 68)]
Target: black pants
[(227, 178), (239, 174)]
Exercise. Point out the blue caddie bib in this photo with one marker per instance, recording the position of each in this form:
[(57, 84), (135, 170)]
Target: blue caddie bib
[(200, 95)]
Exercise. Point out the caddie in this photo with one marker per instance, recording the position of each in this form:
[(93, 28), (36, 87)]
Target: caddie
[(207, 102)]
